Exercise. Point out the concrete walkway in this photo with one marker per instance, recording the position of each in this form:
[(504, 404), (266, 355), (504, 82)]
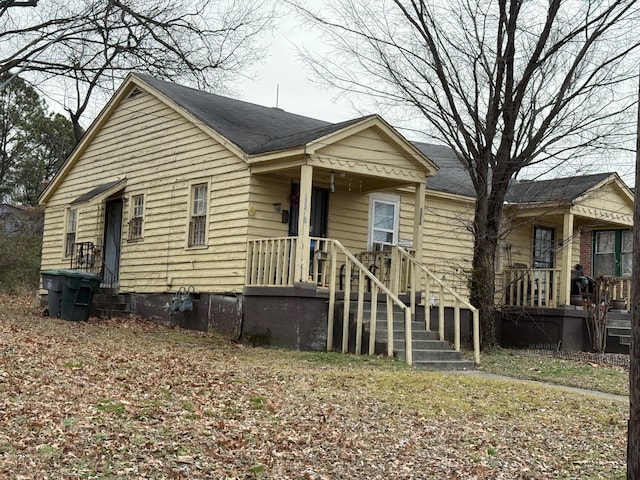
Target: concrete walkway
[(582, 391)]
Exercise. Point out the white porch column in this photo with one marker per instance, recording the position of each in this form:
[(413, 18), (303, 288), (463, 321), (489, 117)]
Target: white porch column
[(418, 217), (304, 222), (567, 247)]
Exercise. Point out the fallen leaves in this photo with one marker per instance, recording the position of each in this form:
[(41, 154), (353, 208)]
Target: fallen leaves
[(133, 399)]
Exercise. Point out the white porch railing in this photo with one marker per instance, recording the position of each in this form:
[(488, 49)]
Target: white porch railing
[(531, 287), (271, 261)]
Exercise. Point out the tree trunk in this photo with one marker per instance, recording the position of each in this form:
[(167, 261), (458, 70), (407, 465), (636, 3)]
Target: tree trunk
[(486, 230), (633, 433), (482, 289)]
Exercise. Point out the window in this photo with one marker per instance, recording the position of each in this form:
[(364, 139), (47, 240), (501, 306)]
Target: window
[(137, 213), (198, 216), (71, 228), (612, 253), (383, 221)]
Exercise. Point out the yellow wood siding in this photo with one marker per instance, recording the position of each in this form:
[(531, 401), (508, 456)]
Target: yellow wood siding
[(370, 146), (265, 192), (161, 155), (447, 241), (607, 204)]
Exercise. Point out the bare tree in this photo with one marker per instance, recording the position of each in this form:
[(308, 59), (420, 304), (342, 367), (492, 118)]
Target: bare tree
[(506, 83), (85, 46)]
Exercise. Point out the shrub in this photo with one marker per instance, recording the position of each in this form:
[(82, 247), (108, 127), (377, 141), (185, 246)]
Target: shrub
[(20, 250)]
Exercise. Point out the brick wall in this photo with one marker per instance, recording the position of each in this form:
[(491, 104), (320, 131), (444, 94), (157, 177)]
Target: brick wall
[(586, 251)]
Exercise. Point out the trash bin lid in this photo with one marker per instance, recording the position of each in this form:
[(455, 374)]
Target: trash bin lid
[(82, 275), (54, 271)]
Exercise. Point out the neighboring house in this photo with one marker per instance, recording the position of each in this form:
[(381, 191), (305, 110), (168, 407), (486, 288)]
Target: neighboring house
[(12, 218), (556, 231), (271, 219)]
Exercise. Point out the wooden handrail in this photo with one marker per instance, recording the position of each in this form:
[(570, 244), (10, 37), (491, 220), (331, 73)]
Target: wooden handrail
[(376, 287), (443, 288)]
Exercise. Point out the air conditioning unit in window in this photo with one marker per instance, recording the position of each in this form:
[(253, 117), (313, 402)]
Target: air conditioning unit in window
[(381, 247)]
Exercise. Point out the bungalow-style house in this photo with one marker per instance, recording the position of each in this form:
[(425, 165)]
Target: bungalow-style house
[(216, 213), (550, 228), (557, 232)]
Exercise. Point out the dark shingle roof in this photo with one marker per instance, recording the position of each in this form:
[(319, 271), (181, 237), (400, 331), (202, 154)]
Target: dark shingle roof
[(452, 176), (253, 128), (556, 189), (257, 129), (95, 192)]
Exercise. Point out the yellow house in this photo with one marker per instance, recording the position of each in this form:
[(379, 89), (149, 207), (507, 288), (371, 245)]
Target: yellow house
[(557, 232), (214, 213), (264, 220)]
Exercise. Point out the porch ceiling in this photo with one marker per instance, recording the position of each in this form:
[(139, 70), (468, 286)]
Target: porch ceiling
[(343, 181)]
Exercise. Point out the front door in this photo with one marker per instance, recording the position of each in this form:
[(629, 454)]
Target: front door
[(112, 241), (319, 211), (543, 258)]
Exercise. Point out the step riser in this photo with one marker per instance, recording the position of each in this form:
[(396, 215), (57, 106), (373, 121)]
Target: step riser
[(618, 323), (619, 332), (381, 335), (435, 345)]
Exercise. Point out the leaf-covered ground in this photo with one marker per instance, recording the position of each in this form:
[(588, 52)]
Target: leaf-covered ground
[(135, 400)]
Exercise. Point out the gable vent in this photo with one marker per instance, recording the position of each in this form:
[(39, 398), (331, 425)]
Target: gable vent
[(136, 92)]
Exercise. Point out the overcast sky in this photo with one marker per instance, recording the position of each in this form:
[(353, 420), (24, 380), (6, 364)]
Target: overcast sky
[(284, 73)]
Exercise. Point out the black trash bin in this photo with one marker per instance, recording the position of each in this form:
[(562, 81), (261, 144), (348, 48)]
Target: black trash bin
[(77, 293), (52, 281)]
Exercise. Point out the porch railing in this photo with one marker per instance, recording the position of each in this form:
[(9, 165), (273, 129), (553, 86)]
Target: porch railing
[(531, 287), (87, 257), (622, 290), (271, 261), (413, 276)]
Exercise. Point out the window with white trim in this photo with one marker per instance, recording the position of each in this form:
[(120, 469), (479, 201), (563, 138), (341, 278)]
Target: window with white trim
[(70, 231), (137, 215), (383, 221), (198, 215)]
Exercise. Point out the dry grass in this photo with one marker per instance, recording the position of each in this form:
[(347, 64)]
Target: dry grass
[(134, 400), (581, 373)]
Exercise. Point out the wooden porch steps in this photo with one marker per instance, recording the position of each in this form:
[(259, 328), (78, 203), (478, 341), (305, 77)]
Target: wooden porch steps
[(428, 351), (107, 303), (621, 328)]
